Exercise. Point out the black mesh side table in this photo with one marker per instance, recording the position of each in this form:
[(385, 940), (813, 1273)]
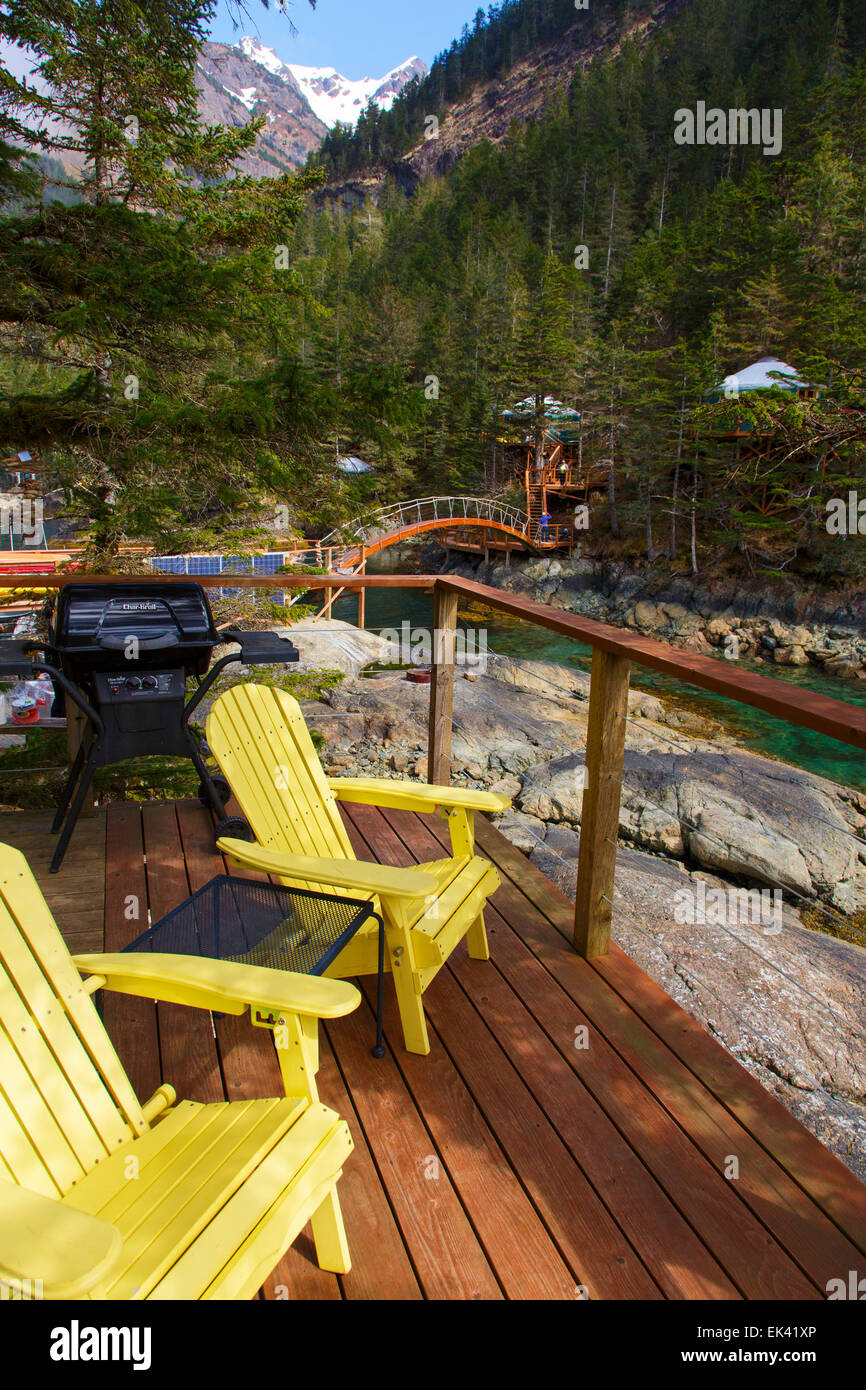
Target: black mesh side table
[(238, 919)]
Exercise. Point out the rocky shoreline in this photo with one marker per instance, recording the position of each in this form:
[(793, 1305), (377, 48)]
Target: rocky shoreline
[(736, 621), (700, 815)]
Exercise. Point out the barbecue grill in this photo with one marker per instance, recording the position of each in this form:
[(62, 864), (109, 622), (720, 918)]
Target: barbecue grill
[(122, 653)]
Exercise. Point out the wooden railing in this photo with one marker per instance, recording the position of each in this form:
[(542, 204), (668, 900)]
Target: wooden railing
[(614, 652), (552, 475)]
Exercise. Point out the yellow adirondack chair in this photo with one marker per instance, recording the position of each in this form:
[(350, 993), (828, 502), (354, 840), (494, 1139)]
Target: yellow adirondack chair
[(102, 1197), (260, 740)]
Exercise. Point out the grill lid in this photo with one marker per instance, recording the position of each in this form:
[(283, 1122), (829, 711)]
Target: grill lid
[(163, 617)]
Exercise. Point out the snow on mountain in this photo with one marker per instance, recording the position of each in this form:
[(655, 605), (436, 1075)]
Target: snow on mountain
[(265, 57), (335, 98), (232, 89), (331, 96)]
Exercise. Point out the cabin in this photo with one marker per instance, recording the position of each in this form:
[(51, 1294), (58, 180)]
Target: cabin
[(760, 466)]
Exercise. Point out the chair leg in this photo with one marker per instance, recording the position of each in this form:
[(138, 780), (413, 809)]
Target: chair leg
[(476, 939), (398, 940), (411, 1007), (329, 1233)]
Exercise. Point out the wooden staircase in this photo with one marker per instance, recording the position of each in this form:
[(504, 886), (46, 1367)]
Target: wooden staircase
[(535, 504)]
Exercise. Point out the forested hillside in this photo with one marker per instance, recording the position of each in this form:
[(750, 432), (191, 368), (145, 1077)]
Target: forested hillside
[(548, 37), (699, 259)]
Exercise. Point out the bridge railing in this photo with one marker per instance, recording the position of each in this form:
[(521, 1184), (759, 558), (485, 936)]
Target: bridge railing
[(405, 516), (552, 534)]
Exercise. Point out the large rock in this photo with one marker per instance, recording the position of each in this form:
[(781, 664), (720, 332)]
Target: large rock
[(648, 617), (337, 646), (524, 832), (507, 786), (553, 791), (743, 848), (790, 656)]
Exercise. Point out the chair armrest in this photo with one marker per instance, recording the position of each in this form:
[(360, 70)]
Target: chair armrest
[(49, 1249), (415, 796), (229, 987), (358, 876)]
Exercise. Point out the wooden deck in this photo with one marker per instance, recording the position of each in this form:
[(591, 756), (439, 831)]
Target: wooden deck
[(76, 894), (513, 1162)]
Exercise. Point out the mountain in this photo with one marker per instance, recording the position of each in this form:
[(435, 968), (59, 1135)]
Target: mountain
[(333, 97), (301, 104), (505, 71)]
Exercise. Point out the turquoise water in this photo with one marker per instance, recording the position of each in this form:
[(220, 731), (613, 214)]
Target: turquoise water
[(762, 732)]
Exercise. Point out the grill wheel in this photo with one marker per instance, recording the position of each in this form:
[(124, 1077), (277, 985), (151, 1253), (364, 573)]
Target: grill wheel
[(235, 828), (223, 791)]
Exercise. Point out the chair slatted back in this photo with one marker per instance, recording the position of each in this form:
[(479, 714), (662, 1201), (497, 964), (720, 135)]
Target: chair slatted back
[(261, 741), (65, 1100)]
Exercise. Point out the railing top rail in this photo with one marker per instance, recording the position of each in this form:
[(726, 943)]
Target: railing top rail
[(227, 580), (806, 708)]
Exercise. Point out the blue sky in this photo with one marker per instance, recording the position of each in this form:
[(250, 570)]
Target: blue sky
[(360, 38)]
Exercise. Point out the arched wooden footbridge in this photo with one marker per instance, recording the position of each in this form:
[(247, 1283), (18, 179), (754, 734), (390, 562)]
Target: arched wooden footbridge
[(345, 549)]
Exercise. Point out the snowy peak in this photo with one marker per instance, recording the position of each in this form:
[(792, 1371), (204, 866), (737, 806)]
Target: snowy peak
[(244, 81), (335, 98), (265, 57), (331, 96)]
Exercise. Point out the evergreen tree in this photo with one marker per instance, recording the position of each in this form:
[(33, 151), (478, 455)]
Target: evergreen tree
[(160, 310)]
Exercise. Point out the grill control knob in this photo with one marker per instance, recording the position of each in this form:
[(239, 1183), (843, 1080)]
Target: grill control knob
[(133, 682), (150, 682)]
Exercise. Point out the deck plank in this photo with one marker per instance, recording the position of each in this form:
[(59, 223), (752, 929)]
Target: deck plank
[(381, 1266), (712, 1204), (186, 1037), (654, 1214), (524, 1255), (446, 1254), (131, 1022), (76, 893)]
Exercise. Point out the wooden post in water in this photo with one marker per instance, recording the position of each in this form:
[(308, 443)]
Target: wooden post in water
[(326, 612), (442, 686), (362, 592), (599, 821)]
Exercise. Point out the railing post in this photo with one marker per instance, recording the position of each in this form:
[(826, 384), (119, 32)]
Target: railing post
[(599, 821), (362, 592), (442, 686)]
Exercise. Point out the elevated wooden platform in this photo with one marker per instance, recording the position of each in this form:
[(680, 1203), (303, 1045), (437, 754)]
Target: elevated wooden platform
[(571, 1129)]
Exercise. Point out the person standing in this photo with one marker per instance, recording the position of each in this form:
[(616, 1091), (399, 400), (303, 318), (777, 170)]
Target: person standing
[(544, 525)]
